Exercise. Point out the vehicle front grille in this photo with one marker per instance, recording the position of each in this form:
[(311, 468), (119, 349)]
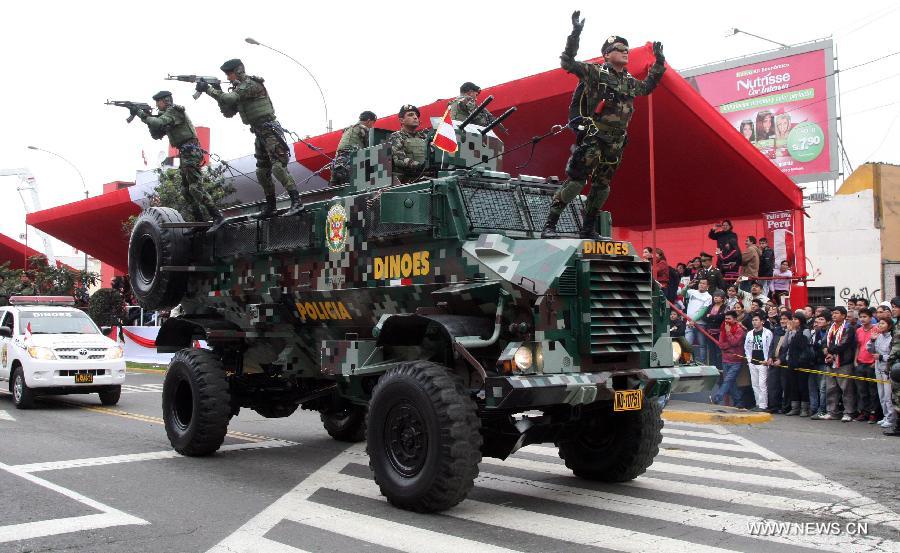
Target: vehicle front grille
[(621, 306), (72, 353)]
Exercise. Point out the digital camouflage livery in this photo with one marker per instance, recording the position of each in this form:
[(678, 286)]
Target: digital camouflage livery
[(427, 318)]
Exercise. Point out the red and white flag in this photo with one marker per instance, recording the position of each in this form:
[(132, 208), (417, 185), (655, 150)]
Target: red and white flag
[(27, 332), (445, 136)]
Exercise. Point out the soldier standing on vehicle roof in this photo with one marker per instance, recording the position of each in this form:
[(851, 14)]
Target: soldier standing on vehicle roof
[(175, 124), (463, 105), (355, 137), (249, 98), (409, 147), (601, 108)]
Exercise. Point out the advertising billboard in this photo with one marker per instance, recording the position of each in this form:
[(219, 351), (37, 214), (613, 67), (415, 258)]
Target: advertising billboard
[(783, 102)]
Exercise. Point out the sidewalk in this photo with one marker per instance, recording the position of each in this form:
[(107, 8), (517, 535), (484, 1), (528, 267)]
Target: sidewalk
[(704, 413)]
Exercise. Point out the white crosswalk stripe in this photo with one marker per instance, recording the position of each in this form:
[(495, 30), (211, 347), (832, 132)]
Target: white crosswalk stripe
[(141, 388), (4, 416), (699, 495)]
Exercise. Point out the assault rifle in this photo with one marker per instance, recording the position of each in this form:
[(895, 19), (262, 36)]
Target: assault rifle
[(133, 107), (214, 82)]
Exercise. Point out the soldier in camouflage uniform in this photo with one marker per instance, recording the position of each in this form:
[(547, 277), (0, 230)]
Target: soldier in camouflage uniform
[(894, 364), (601, 108), (355, 137), (409, 147), (464, 104), (174, 123), (249, 98)]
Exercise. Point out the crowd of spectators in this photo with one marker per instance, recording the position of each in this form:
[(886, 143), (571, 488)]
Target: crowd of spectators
[(772, 358)]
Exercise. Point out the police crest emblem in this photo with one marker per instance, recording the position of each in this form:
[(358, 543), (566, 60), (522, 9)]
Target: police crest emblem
[(336, 228)]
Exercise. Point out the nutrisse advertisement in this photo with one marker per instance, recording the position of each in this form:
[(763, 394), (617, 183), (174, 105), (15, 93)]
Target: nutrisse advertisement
[(781, 106)]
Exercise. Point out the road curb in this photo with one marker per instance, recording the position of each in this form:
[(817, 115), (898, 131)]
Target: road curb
[(701, 417), (145, 371)]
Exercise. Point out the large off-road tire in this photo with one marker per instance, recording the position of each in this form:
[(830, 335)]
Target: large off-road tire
[(345, 425), (423, 437), (23, 396), (196, 402), (151, 247), (110, 396), (614, 447)]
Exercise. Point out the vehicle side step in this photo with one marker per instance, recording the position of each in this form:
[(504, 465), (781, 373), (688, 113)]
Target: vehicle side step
[(187, 269)]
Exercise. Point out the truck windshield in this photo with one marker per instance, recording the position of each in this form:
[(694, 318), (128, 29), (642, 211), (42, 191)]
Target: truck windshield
[(56, 322)]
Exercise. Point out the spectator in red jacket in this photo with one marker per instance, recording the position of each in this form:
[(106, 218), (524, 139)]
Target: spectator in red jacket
[(731, 342)]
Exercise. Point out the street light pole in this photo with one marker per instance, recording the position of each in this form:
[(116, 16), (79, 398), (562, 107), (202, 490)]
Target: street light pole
[(734, 30), (83, 185), (308, 72)]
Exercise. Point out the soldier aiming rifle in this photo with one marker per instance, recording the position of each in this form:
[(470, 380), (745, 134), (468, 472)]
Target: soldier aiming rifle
[(601, 107), (249, 98), (133, 107)]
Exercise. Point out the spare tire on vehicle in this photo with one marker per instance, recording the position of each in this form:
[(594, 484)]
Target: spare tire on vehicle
[(151, 247)]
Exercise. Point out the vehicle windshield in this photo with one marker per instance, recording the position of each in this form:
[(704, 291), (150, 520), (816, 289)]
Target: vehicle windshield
[(57, 322)]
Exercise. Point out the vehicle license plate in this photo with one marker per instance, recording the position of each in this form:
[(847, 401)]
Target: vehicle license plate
[(628, 400), (85, 378)]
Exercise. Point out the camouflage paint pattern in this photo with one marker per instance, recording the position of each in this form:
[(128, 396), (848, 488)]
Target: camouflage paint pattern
[(462, 107)]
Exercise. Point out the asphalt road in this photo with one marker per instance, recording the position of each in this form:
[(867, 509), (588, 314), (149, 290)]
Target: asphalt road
[(75, 476)]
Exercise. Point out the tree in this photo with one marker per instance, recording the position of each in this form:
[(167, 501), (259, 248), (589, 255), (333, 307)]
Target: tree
[(40, 279), (168, 192), (106, 307)]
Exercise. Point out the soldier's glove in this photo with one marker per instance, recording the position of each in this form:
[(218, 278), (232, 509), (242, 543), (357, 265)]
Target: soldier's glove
[(136, 111), (577, 24), (658, 52), (202, 86)]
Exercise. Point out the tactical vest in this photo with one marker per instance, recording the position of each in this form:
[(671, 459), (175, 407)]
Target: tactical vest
[(352, 138), (182, 129), (257, 108), (416, 148)]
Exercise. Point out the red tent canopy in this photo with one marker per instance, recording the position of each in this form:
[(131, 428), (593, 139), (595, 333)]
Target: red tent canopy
[(705, 170), (15, 253), (92, 225)]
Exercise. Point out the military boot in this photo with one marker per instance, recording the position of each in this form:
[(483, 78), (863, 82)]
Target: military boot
[(269, 210), (550, 226), (589, 227), (893, 430), (804, 408), (296, 203), (795, 409)]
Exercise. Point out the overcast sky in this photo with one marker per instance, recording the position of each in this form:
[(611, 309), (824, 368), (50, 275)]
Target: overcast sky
[(64, 59)]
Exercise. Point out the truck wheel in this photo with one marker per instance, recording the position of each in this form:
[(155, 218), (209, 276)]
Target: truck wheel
[(276, 410), (23, 396), (110, 396), (345, 425), (423, 437), (615, 447), (151, 247), (196, 402)]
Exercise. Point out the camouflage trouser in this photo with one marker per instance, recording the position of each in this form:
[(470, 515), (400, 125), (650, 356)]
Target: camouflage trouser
[(272, 156), (592, 158), (191, 180), (340, 170), (895, 386)]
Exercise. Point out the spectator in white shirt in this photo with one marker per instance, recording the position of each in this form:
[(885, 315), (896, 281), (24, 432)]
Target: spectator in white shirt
[(698, 302), (782, 286)]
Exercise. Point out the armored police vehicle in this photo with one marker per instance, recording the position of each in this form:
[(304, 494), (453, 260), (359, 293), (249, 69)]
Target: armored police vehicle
[(428, 319)]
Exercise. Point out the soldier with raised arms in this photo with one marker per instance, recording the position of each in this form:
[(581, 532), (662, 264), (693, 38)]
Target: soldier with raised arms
[(355, 137), (173, 123), (601, 108), (249, 98), (409, 146)]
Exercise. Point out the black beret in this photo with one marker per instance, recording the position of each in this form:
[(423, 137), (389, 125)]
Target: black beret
[(469, 87), (161, 94), (406, 109), (231, 65), (367, 116), (607, 46)]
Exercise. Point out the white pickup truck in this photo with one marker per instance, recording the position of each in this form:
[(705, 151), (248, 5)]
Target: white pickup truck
[(47, 347)]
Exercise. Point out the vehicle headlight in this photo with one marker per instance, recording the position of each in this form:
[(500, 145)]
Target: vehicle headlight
[(523, 358), (115, 352), (676, 351), (38, 352)]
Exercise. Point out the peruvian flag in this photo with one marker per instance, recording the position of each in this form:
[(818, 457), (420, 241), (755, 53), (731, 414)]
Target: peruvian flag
[(445, 137), (27, 333)]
